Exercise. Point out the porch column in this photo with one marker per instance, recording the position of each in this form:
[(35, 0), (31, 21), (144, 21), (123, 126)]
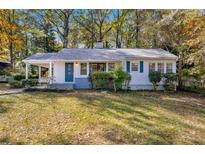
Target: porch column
[(39, 73), (27, 65), (88, 68), (165, 67), (123, 65), (156, 66), (50, 72), (106, 68)]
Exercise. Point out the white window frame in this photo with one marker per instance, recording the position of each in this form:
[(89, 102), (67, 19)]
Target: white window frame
[(86, 69), (171, 67), (137, 66)]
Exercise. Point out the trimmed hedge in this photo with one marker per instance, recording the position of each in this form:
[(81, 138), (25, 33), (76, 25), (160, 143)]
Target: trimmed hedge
[(48, 90), (15, 83), (33, 77), (29, 82), (121, 77), (18, 77), (23, 83), (170, 81), (109, 80), (102, 80)]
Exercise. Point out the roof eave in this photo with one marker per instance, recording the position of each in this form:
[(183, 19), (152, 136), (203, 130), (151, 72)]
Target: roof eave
[(152, 58)]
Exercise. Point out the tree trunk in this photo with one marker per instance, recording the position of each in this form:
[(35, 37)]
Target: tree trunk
[(154, 86), (117, 38), (92, 31), (66, 16), (100, 34), (180, 70), (136, 28), (117, 30), (65, 33), (11, 54), (11, 50)]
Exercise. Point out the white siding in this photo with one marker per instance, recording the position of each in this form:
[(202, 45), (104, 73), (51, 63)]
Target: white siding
[(77, 70), (59, 72), (139, 79)]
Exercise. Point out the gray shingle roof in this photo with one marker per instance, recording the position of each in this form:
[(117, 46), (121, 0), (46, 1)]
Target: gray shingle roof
[(41, 56), (102, 54)]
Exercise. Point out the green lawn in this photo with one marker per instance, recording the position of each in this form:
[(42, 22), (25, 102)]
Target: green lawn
[(4, 86), (102, 118)]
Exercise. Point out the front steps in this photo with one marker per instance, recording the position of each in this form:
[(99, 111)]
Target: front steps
[(61, 86)]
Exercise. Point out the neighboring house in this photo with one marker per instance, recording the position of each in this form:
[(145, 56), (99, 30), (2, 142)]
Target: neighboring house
[(3, 65), (70, 67)]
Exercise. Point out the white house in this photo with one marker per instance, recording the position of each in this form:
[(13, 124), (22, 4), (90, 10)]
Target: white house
[(70, 67)]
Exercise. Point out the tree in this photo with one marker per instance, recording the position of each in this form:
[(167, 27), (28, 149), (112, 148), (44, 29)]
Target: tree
[(45, 35), (4, 24), (61, 20), (179, 31), (85, 19), (102, 22), (120, 19), (10, 33)]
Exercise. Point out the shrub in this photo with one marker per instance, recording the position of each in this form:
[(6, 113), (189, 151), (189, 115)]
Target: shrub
[(48, 90), (2, 72), (155, 77), (120, 77), (33, 76), (15, 83), (29, 82), (109, 80), (90, 80), (101, 80), (18, 77), (170, 81)]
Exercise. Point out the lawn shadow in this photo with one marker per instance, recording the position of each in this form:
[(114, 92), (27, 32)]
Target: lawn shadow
[(5, 106), (6, 140), (137, 114)]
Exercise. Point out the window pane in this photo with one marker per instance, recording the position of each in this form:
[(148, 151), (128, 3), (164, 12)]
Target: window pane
[(161, 67), (134, 66), (111, 66), (97, 67), (151, 67), (169, 68), (101, 67), (83, 69)]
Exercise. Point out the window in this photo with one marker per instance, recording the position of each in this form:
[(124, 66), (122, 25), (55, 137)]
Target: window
[(111, 66), (151, 67), (97, 67), (161, 67), (134, 67), (83, 69), (169, 68)]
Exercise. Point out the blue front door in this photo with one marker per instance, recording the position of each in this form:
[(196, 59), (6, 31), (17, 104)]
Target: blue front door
[(68, 72)]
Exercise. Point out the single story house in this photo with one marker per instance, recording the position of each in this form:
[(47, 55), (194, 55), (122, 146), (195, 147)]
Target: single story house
[(70, 67), (3, 65)]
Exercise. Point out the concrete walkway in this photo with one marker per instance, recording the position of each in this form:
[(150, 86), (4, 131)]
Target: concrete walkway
[(10, 91)]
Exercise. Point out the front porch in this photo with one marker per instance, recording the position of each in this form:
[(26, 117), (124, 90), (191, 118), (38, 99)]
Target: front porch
[(66, 74), (44, 70)]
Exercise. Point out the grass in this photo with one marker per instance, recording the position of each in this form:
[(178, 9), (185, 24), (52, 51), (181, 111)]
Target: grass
[(4, 86), (88, 117)]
